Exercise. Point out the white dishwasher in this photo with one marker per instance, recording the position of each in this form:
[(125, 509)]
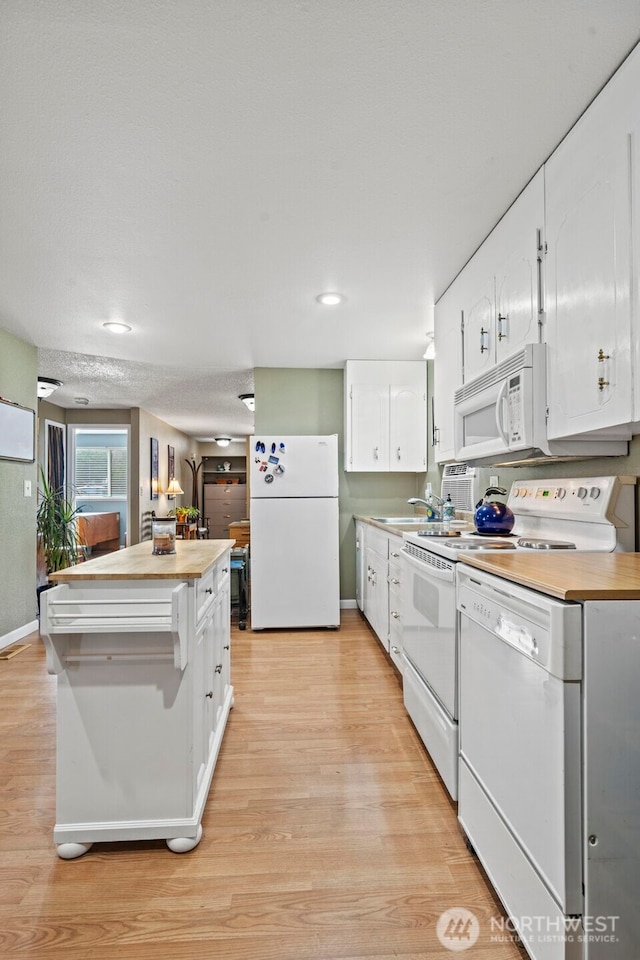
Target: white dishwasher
[(549, 774)]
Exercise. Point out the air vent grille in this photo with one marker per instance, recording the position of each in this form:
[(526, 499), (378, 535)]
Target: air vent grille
[(499, 372)]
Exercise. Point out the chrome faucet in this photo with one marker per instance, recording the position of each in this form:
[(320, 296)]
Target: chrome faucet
[(434, 502)]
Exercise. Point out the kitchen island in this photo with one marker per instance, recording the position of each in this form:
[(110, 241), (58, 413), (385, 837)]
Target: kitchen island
[(140, 645)]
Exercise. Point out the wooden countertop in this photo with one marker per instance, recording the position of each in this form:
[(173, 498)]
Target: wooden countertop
[(191, 561), (566, 574)]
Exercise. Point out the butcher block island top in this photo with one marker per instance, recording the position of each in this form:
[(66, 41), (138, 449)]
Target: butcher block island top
[(567, 575), (191, 561)]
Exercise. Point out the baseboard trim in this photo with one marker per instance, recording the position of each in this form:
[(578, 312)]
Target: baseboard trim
[(348, 604), (18, 634)]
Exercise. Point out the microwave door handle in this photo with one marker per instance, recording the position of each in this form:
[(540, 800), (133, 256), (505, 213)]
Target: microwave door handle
[(499, 411)]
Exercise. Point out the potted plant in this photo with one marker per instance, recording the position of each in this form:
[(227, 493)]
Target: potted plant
[(181, 514), (192, 514), (57, 526)]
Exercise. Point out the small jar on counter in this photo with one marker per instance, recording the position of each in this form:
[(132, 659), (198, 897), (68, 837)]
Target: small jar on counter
[(163, 531)]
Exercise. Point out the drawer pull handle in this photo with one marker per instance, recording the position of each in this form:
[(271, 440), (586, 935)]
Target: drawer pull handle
[(209, 694), (209, 590), (226, 646), (218, 668)]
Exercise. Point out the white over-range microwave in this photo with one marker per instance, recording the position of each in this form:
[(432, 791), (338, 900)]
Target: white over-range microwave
[(500, 417)]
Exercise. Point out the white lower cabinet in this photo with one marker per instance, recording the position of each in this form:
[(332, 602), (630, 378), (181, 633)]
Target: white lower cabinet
[(382, 583), (144, 692), (376, 598), (360, 564), (395, 609)]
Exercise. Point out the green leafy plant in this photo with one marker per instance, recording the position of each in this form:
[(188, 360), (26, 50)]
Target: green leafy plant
[(57, 526), (192, 514)]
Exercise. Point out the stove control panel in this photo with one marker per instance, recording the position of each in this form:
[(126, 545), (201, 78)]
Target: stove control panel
[(548, 491), (592, 499)]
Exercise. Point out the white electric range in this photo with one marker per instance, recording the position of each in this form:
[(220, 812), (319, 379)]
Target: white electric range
[(594, 514)]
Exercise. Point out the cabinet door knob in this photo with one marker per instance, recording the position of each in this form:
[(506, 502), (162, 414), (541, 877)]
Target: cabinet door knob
[(226, 646), (218, 669), (209, 694)]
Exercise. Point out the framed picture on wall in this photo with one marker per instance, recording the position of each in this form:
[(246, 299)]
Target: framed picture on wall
[(17, 432), (172, 464), (154, 469)]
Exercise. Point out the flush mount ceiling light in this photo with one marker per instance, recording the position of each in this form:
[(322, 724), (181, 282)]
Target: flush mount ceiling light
[(116, 326), (46, 386), (249, 399), (330, 299), (82, 401), (430, 352), (223, 441)]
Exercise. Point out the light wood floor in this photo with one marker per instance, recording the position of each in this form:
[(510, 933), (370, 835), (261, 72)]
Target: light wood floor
[(327, 833)]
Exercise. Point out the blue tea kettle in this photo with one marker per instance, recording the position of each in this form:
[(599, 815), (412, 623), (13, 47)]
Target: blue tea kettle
[(492, 517)]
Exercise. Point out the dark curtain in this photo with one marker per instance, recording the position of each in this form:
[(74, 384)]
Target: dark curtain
[(55, 461)]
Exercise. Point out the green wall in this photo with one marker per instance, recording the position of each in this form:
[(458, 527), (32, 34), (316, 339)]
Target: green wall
[(308, 402), (18, 376)]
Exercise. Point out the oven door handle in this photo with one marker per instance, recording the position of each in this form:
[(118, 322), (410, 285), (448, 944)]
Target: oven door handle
[(427, 570)]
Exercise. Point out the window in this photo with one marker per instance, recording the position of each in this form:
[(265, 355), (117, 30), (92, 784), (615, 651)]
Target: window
[(101, 472)]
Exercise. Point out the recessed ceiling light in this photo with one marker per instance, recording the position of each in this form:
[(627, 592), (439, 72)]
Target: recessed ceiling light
[(330, 299), (116, 326), (82, 401), (46, 386), (249, 399)]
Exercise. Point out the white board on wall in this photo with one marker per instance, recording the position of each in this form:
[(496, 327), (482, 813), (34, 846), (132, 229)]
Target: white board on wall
[(17, 432)]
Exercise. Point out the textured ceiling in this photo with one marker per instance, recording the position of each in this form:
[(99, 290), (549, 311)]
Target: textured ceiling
[(203, 170)]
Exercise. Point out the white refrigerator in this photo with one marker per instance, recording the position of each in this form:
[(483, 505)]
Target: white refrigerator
[(294, 532)]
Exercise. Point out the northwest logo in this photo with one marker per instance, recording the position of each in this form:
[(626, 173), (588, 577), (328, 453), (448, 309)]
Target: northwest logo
[(457, 929)]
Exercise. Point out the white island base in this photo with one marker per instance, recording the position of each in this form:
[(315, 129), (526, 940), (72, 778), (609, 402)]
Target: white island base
[(144, 693)]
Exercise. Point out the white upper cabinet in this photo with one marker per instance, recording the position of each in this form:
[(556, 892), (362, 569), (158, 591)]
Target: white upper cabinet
[(501, 311), (386, 415), (589, 264), (491, 309), (559, 269), (447, 368)]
